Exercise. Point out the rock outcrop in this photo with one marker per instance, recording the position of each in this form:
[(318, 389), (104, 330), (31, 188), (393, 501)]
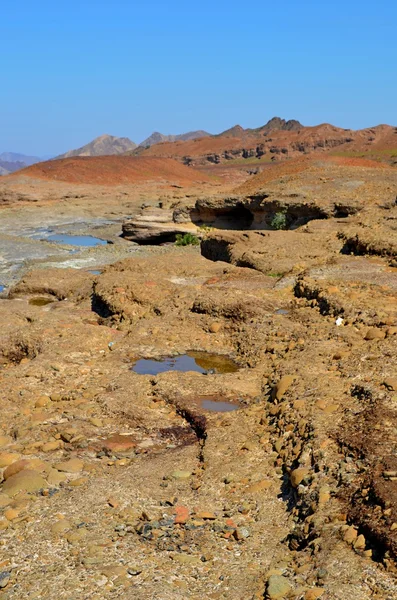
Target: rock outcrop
[(155, 226)]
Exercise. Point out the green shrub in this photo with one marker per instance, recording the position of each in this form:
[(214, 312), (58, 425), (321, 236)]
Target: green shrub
[(188, 239), (279, 221)]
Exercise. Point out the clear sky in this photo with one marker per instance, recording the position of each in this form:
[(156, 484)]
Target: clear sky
[(71, 70)]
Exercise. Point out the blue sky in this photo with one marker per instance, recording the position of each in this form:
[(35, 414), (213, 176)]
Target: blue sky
[(72, 70)]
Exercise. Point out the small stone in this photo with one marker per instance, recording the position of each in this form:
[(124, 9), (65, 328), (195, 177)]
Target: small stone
[(324, 495), (78, 482), (181, 515), (298, 475), (283, 385), (7, 458), (206, 515), (74, 465), (96, 422), (259, 486), (215, 327), (248, 445), (113, 502), (241, 533), (374, 333), (186, 559), (119, 443), (350, 535), (314, 593), (359, 544), (32, 464), (55, 477), (181, 474), (5, 577), (114, 571), (42, 401), (11, 514), (51, 446), (393, 526), (60, 527), (278, 587), (24, 481)]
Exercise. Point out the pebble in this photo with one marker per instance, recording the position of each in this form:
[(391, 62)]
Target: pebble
[(33, 464), (181, 515), (51, 446), (60, 527), (28, 481), (259, 486), (215, 327), (55, 477), (186, 559), (278, 587), (119, 443), (283, 385), (7, 458), (374, 333), (78, 482), (206, 515), (42, 401), (5, 577), (74, 465), (298, 475), (11, 514), (350, 535), (359, 544), (181, 474), (314, 593)]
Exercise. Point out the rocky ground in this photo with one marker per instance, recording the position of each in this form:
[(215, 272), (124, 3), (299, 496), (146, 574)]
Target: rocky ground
[(117, 484)]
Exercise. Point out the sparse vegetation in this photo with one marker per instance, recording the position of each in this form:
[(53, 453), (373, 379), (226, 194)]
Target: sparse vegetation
[(279, 221), (188, 239)]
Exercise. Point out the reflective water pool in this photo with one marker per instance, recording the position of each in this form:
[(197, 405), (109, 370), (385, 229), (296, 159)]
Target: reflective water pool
[(40, 301), (76, 240), (200, 362), (218, 406)]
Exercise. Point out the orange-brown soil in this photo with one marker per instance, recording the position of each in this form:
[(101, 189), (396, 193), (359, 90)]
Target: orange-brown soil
[(112, 170)]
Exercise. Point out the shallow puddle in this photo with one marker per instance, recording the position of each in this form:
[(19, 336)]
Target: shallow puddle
[(94, 272), (282, 311), (40, 301), (76, 240), (218, 406), (200, 362), (2, 288)]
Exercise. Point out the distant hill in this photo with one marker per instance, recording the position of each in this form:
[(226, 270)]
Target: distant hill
[(103, 145), (275, 124), (15, 157), (114, 170), (279, 140), (14, 161), (157, 137)]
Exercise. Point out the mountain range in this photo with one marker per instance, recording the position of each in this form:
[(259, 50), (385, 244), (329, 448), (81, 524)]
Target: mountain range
[(13, 161), (109, 144), (277, 139)]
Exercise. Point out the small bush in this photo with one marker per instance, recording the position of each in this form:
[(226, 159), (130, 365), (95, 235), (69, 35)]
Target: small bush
[(188, 239), (279, 221)]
